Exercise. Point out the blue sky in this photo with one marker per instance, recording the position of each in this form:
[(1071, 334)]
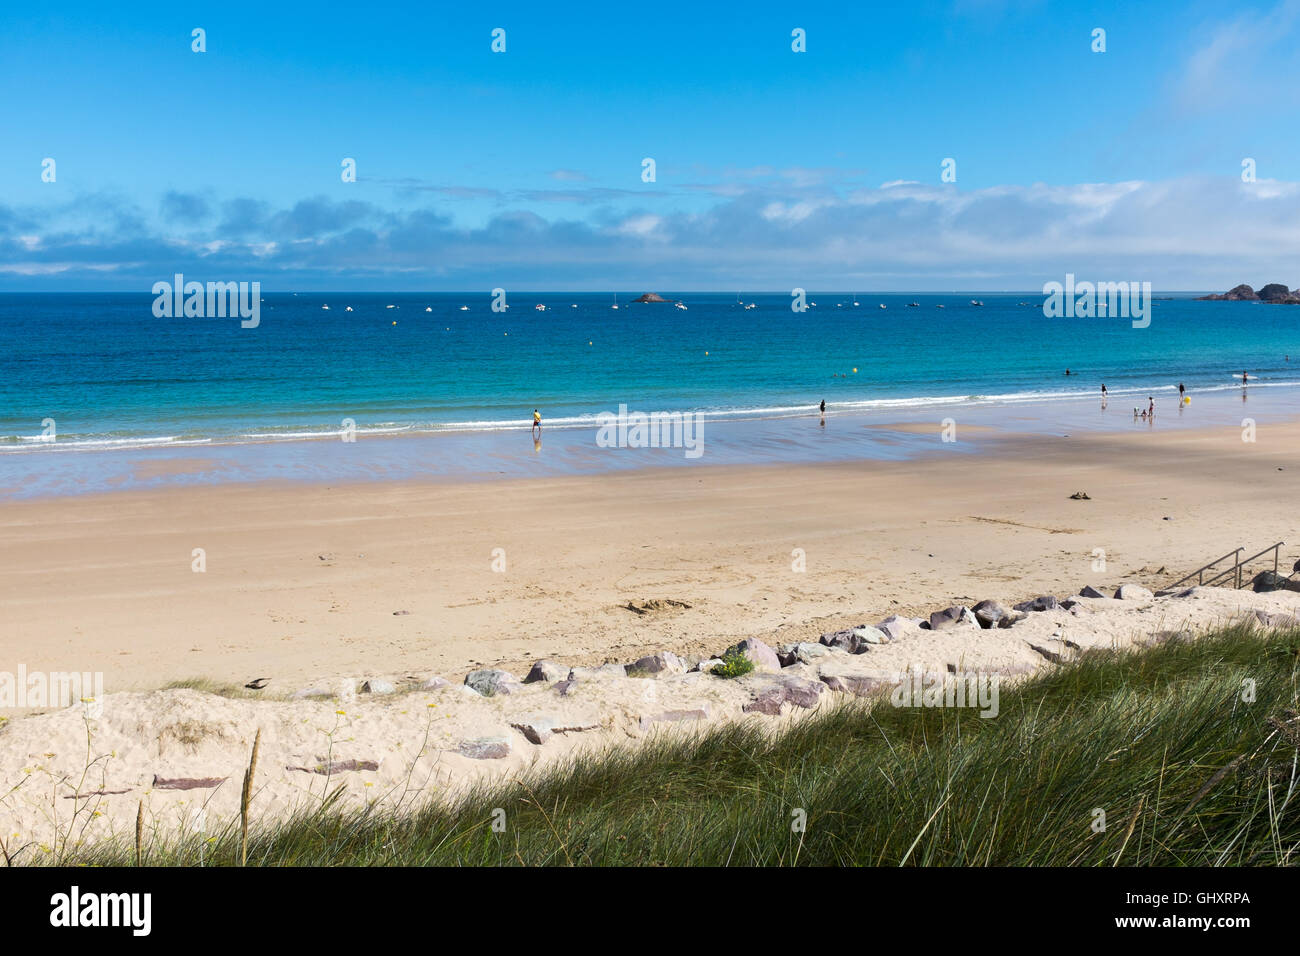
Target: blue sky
[(774, 168)]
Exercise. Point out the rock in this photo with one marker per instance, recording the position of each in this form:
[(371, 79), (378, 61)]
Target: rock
[(1240, 293), (1132, 592), (546, 671), (378, 686), (660, 664), (762, 656), (564, 687), (1043, 603), (491, 681), (675, 716), (854, 640), (1089, 591), (867, 634), (1274, 292), (257, 683), (895, 627), (804, 652), (485, 748), (1271, 581), (1276, 620), (859, 685), (956, 616), (434, 683), (773, 692), (989, 613), (539, 728), (844, 640), (400, 613), (536, 730), (706, 666), (650, 297), (1080, 495), (1052, 654)]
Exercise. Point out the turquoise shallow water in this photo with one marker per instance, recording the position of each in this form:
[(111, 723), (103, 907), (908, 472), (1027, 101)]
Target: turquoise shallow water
[(125, 388)]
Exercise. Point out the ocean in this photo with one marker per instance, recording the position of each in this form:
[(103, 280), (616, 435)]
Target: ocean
[(110, 375)]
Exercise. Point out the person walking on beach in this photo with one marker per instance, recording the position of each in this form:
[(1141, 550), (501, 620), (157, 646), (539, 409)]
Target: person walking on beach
[(823, 406), (537, 420), (1151, 408), (1244, 379), (1181, 390), (1103, 391)]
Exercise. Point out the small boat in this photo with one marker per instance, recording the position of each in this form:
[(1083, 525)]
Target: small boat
[(325, 307), (680, 305), (883, 306), (812, 304), (752, 305), (464, 308), (539, 307), (574, 306), (914, 305), (615, 305), (839, 305), (976, 302), (348, 309), (428, 308), (939, 306), (390, 307)]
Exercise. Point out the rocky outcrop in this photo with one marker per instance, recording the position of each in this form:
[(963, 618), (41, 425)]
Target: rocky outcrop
[(1275, 293), (650, 297)]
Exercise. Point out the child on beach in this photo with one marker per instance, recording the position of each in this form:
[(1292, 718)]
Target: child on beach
[(537, 420)]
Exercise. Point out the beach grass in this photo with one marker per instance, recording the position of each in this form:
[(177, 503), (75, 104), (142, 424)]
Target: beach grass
[(1163, 740)]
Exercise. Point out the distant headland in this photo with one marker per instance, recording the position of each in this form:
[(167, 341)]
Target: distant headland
[(1275, 293)]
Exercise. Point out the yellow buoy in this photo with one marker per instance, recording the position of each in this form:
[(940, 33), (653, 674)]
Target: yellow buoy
[(855, 371), (1187, 399)]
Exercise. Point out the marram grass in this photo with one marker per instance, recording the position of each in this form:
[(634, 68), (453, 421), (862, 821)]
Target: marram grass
[(1160, 739)]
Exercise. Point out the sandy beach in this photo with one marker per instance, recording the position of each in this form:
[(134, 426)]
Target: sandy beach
[(305, 582)]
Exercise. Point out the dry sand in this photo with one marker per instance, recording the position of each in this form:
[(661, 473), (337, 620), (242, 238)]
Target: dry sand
[(303, 581)]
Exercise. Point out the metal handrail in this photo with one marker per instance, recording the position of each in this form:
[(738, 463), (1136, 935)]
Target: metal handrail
[(1199, 572), (1234, 572), (1276, 549)]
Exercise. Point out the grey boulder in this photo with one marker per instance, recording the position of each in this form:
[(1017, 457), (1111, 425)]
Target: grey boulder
[(490, 681)]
